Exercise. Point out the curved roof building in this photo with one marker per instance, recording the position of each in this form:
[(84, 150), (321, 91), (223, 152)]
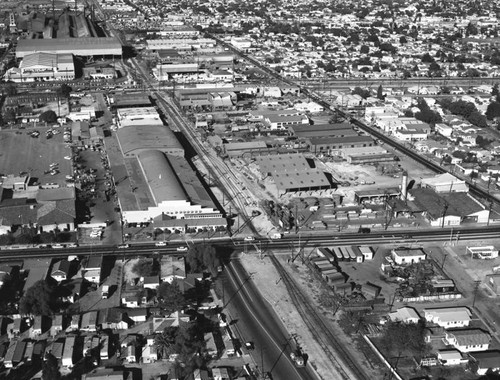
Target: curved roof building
[(161, 179), (141, 138)]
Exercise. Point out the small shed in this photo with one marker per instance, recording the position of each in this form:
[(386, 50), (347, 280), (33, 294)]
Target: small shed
[(366, 251), (370, 290)]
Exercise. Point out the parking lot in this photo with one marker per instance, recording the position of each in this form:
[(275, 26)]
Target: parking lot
[(38, 153)]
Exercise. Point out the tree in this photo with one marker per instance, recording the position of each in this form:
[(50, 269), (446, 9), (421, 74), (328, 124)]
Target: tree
[(10, 89), (477, 119), (172, 299), (494, 90), (48, 117), (380, 93), (400, 337), (165, 341), (203, 257), (403, 40), (426, 114), (427, 58), (38, 300), (64, 90), (364, 49), (146, 268), (493, 110), (364, 93), (9, 116), (50, 368)]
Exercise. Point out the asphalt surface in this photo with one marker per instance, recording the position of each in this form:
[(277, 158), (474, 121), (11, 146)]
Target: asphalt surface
[(255, 320)]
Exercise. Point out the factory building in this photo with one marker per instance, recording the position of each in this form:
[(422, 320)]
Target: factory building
[(87, 46), (43, 67)]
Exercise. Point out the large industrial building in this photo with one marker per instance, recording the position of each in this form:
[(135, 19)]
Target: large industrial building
[(43, 67), (292, 172), (156, 184), (137, 139), (128, 117), (167, 188), (86, 46)]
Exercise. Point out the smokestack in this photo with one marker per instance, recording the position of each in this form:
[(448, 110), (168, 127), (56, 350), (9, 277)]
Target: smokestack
[(404, 186)]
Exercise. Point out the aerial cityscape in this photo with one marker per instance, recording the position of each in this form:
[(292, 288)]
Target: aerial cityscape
[(269, 190)]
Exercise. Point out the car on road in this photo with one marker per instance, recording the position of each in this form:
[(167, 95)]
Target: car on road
[(249, 238), (161, 243), (182, 249), (58, 246), (123, 246)]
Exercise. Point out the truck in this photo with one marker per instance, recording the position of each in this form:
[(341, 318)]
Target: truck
[(297, 358), (105, 292)]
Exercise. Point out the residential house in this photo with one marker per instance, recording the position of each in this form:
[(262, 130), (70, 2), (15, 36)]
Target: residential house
[(75, 322), (68, 353), (89, 321), (92, 269), (406, 256), (211, 345), (444, 130), (220, 374), (405, 314), (468, 340), (450, 357), (159, 324), (112, 318), (172, 267), (133, 295), (151, 282), (57, 348), (58, 324), (76, 288), (107, 374), (131, 354), (105, 346), (449, 317), (138, 315), (4, 323), (40, 325), (149, 354), (60, 270), (200, 374), (16, 327), (485, 361), (8, 360)]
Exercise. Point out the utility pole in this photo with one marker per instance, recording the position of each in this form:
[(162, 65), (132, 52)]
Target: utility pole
[(444, 259), (476, 288)]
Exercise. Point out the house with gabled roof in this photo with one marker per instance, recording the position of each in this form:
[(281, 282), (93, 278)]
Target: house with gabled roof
[(172, 267), (60, 270), (405, 314), (449, 317), (468, 340), (89, 321), (485, 361), (92, 269)]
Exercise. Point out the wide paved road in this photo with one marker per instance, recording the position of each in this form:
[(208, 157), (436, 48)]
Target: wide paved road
[(256, 321)]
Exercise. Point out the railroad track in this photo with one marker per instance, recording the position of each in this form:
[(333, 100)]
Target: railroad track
[(319, 329)]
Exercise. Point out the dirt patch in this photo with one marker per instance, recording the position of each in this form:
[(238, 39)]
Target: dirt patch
[(274, 291)]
